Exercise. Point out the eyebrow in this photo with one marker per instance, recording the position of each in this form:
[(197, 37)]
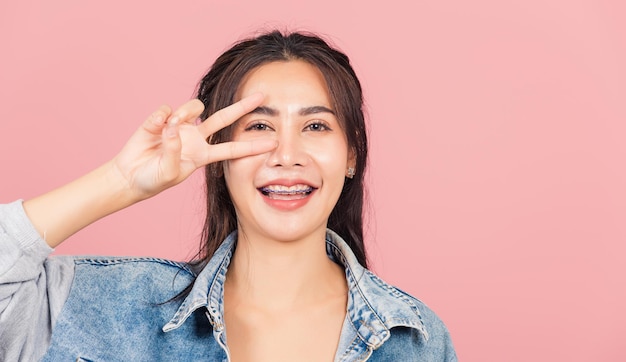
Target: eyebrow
[(305, 111), (315, 109)]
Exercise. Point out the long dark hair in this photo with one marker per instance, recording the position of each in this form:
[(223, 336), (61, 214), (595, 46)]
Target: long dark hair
[(217, 90)]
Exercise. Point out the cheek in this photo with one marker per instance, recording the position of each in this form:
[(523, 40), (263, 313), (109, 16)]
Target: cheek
[(332, 156), (240, 173), (233, 174)]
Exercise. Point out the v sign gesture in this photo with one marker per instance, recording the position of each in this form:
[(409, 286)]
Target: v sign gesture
[(168, 146), (166, 149)]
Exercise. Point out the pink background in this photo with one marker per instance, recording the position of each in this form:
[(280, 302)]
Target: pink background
[(497, 180)]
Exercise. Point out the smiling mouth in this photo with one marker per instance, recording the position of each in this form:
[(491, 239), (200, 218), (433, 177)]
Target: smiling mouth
[(279, 192)]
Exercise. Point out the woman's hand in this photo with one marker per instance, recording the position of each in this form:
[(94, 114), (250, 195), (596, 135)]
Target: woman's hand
[(164, 151), (168, 147)]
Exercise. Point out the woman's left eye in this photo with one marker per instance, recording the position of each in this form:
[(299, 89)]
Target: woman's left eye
[(317, 127)]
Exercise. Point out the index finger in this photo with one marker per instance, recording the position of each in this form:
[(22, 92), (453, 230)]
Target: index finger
[(228, 115), (233, 150)]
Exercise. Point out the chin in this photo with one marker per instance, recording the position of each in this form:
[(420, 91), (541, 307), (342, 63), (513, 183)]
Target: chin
[(286, 231)]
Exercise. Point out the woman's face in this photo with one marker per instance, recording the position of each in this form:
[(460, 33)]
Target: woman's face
[(288, 193)]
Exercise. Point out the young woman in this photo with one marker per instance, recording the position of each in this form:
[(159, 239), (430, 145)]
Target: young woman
[(281, 275)]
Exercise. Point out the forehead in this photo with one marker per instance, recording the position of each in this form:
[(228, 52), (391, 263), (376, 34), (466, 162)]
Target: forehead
[(293, 81)]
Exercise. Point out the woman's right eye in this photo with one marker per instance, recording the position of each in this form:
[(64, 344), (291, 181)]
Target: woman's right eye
[(257, 127)]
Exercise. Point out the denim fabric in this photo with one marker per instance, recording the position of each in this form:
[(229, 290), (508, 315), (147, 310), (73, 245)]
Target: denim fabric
[(117, 310)]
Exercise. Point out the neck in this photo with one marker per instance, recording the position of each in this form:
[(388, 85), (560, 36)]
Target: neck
[(283, 274)]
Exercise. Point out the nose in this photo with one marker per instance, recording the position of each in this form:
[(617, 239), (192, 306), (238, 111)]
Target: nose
[(290, 151)]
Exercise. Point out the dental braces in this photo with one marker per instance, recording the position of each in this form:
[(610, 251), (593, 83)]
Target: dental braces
[(286, 192)]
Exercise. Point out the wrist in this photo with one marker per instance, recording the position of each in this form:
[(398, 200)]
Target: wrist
[(118, 188)]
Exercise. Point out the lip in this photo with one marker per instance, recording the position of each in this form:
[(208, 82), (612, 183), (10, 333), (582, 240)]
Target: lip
[(291, 204)]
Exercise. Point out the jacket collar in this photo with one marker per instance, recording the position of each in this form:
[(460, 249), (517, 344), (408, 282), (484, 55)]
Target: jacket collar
[(374, 307), (208, 288)]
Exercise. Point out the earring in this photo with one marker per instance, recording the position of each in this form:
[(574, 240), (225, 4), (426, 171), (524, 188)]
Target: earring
[(351, 172)]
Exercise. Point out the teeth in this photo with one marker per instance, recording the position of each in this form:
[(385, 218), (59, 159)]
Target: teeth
[(286, 190)]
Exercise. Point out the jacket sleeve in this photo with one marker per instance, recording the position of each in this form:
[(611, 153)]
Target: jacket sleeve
[(33, 287)]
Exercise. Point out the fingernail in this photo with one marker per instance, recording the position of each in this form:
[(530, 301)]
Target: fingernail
[(173, 121)]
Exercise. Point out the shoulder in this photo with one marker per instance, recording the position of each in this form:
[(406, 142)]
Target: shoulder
[(394, 324), (140, 263), (396, 306), (416, 331), (139, 275)]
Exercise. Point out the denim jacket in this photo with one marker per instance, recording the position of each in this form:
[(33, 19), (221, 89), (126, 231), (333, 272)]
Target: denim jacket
[(118, 309)]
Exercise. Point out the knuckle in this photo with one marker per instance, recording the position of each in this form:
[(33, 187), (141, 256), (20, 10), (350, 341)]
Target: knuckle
[(223, 119)]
